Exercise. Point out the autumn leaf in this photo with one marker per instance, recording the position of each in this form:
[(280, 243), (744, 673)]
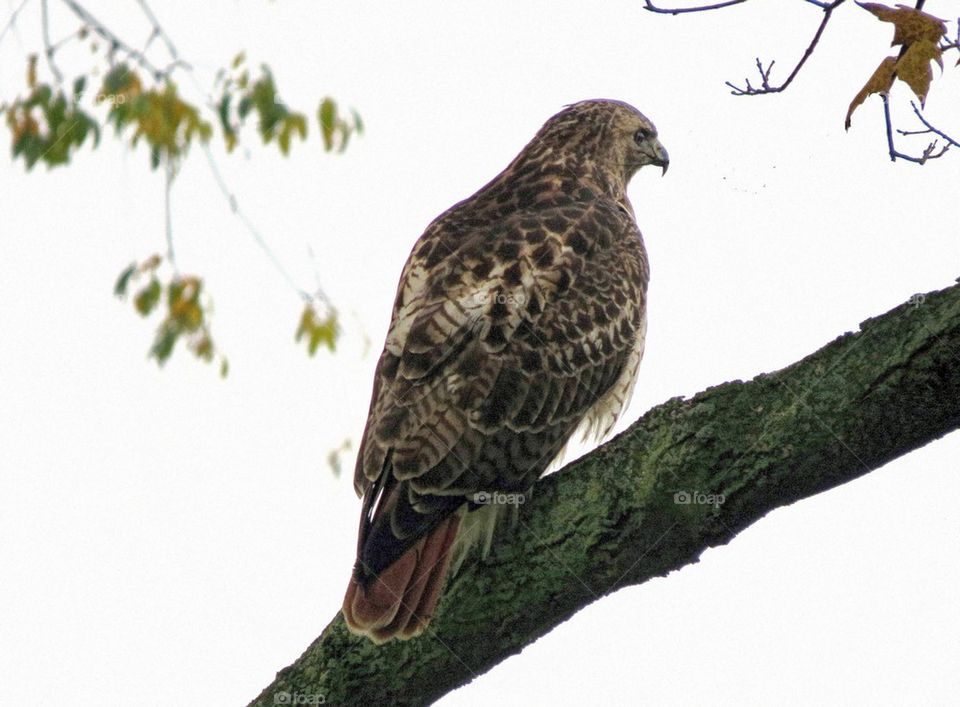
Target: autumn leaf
[(880, 82), (913, 68), (909, 24), (316, 330), (919, 34)]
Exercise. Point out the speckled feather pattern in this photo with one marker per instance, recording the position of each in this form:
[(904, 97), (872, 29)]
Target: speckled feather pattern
[(520, 316)]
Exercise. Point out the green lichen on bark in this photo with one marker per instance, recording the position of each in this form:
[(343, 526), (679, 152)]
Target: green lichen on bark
[(612, 519)]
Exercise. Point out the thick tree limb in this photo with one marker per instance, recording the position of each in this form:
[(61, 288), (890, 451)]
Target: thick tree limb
[(617, 517)]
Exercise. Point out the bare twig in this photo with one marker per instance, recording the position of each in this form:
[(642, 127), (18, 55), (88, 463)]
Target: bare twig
[(765, 87), (158, 30), (115, 41), (48, 47), (928, 128), (955, 44), (681, 10), (150, 37), (928, 152), (253, 230), (170, 173), (13, 19)]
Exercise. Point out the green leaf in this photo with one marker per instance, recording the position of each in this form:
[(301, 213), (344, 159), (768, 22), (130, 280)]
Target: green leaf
[(244, 106), (299, 123), (120, 289), (317, 331), (229, 134), (117, 79), (163, 345), (147, 299), (327, 116)]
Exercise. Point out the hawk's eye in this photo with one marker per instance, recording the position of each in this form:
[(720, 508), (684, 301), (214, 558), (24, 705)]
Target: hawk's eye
[(641, 135)]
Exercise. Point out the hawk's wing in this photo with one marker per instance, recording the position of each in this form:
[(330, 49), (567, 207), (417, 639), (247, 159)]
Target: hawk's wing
[(502, 342)]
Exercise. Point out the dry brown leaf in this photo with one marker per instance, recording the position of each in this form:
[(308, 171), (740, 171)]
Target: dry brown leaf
[(879, 82), (919, 34), (913, 68), (909, 25)]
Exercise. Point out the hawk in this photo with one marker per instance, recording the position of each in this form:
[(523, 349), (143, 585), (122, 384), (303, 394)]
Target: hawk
[(520, 316)]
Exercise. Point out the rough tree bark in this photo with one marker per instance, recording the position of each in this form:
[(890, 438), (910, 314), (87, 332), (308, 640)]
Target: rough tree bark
[(613, 518)]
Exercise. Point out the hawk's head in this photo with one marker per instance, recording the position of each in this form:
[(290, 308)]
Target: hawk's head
[(611, 137)]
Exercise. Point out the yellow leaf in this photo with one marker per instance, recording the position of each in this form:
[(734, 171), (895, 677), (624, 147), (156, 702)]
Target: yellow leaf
[(202, 347), (151, 263), (879, 82), (913, 68)]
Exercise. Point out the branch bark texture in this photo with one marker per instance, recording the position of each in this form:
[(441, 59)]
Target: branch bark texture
[(649, 501)]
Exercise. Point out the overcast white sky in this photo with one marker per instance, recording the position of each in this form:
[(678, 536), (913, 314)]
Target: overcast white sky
[(169, 537)]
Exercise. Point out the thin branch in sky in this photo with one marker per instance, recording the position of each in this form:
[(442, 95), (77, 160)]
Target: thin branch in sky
[(48, 47), (167, 216), (648, 5), (765, 87), (115, 42), (13, 19), (159, 31), (929, 127), (929, 152)]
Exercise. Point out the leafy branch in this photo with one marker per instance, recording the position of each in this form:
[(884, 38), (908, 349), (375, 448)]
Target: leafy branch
[(185, 312), (140, 99)]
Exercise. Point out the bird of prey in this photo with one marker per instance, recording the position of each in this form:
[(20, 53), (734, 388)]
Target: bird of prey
[(520, 316)]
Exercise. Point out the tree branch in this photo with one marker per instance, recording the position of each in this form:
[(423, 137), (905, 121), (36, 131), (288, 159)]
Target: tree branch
[(13, 19), (47, 46), (114, 40), (647, 5), (687, 476), (765, 86), (929, 152), (928, 128)]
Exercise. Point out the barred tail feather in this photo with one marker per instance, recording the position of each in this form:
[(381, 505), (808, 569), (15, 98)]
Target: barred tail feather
[(400, 601)]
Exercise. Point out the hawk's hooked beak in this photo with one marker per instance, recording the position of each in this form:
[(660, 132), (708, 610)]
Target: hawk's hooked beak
[(661, 157)]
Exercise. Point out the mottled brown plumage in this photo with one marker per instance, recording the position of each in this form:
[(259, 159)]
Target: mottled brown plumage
[(519, 317)]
